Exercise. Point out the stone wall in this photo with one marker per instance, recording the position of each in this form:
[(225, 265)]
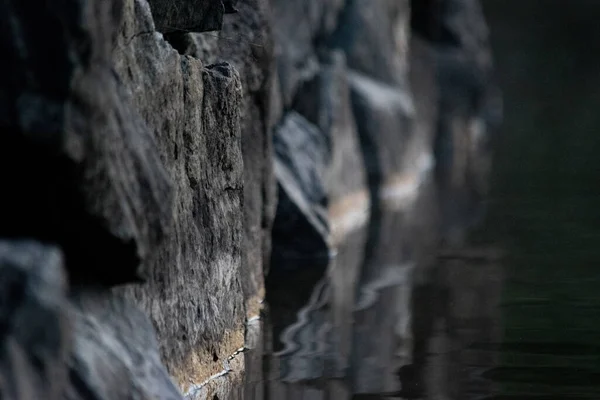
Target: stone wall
[(162, 163)]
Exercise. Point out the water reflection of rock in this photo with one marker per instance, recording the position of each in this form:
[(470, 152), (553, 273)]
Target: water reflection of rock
[(419, 330), (456, 315), (355, 344)]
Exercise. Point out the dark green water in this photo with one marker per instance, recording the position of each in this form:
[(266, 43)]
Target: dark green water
[(545, 205)]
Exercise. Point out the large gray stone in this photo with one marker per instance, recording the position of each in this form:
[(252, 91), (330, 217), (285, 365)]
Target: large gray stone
[(325, 102), (300, 28), (114, 352), (35, 335), (143, 155), (71, 139), (194, 296), (374, 36), (301, 228), (246, 42)]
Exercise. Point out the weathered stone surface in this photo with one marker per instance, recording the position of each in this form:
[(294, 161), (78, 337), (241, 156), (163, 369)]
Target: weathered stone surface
[(193, 111), (120, 133), (246, 42), (189, 15), (374, 36), (300, 28), (35, 332), (325, 102), (76, 143), (301, 229), (115, 353)]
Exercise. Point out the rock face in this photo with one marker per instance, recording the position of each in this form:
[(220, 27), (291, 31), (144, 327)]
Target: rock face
[(383, 90), (301, 156), (114, 353), (156, 177), (33, 301), (187, 16), (469, 106), (245, 41), (81, 138), (193, 112), (137, 151)]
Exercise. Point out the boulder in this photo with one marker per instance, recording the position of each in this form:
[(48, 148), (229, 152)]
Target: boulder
[(374, 36), (300, 30), (35, 334), (301, 229), (141, 158), (246, 43), (193, 111), (325, 101), (77, 144), (114, 351)]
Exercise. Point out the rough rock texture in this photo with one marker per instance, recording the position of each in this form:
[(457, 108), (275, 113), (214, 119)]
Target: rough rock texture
[(187, 16), (74, 137), (141, 158), (190, 16), (193, 112), (364, 23), (245, 41), (299, 29), (137, 153)]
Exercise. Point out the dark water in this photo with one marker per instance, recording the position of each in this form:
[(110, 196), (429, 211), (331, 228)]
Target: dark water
[(546, 196), (513, 314)]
